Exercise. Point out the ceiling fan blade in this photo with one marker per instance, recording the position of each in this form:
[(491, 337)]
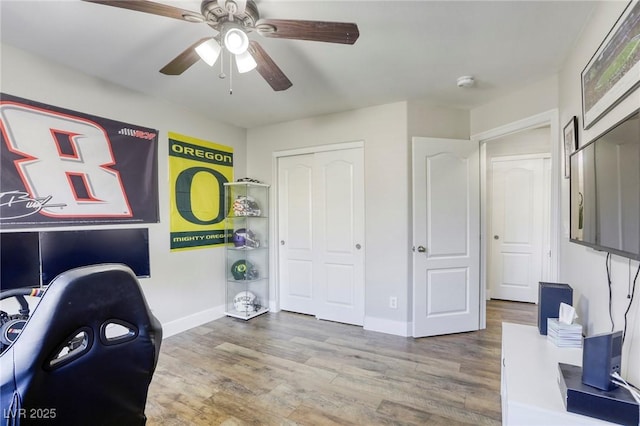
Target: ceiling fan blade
[(268, 69), (330, 32), (153, 8), (184, 60)]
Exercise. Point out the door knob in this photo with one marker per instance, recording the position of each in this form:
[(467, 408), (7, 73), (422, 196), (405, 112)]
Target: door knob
[(496, 237), (421, 249), (281, 242), (358, 246)]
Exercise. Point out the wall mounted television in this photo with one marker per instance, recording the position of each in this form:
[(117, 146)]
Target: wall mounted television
[(64, 250), (19, 260), (605, 191)]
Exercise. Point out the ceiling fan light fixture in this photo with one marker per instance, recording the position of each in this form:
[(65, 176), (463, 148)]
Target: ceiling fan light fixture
[(236, 41), (245, 62), (209, 51)]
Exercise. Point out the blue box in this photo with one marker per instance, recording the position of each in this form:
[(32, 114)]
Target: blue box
[(550, 295), (616, 406)]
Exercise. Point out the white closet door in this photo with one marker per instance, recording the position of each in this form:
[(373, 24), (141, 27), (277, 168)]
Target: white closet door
[(295, 215), (321, 233), (339, 225)]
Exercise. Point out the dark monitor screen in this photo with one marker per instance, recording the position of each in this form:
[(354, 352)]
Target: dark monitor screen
[(64, 250), (605, 190), (19, 260)]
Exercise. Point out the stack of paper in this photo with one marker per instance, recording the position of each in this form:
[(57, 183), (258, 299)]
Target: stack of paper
[(564, 335)]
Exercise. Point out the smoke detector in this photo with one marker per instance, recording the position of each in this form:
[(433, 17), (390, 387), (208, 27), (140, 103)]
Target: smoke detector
[(465, 81)]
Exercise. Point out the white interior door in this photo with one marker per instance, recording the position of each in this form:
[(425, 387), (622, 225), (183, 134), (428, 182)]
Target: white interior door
[(339, 252), (321, 230), (517, 231), (295, 233), (446, 236)]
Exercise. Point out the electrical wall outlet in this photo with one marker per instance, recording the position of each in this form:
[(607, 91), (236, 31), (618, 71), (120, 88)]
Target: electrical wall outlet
[(393, 302)]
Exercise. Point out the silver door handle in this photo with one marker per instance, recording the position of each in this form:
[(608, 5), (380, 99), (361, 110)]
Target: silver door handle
[(421, 249), (358, 246), (281, 242)]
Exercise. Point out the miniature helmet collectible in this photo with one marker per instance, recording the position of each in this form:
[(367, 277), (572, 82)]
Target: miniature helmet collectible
[(243, 270), (245, 301), (245, 205), (245, 238)]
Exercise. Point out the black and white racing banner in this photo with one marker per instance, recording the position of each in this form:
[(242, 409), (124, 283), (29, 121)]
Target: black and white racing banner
[(60, 167)]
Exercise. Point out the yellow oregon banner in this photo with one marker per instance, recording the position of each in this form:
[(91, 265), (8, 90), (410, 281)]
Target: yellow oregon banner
[(197, 171)]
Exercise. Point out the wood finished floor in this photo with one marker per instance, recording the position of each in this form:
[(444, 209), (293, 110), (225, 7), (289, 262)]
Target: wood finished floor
[(290, 369)]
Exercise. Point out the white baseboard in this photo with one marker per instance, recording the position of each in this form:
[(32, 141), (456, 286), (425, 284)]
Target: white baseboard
[(183, 324), (381, 325)]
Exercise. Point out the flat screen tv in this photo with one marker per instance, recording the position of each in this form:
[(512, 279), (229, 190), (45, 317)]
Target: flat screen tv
[(64, 250), (605, 191), (19, 260)]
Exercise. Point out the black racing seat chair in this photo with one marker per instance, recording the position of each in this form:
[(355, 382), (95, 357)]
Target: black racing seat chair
[(86, 355)]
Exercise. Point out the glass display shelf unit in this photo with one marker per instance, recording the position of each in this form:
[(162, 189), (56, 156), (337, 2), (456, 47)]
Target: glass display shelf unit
[(247, 249)]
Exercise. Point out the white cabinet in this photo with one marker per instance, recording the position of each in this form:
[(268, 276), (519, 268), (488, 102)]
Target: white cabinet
[(247, 245), (530, 391)]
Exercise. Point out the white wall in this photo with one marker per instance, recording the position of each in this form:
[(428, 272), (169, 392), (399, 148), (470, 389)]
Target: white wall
[(530, 100), (582, 267), (427, 120), (385, 132), (526, 142), (185, 288)]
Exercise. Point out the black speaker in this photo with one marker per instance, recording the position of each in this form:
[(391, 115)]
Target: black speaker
[(550, 295), (601, 356)]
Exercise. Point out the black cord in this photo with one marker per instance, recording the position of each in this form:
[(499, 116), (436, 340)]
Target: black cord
[(607, 261), (633, 293), (629, 280)]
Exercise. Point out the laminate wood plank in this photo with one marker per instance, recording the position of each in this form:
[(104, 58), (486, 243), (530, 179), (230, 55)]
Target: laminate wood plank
[(309, 416), (413, 416), (487, 403), (292, 369), (401, 391), (226, 407), (286, 366), (344, 356), (390, 351)]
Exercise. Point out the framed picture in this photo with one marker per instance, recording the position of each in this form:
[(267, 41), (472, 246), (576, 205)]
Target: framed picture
[(570, 143), (614, 70)]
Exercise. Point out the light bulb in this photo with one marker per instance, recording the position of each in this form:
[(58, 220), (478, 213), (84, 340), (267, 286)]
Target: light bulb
[(245, 62), (209, 51), (236, 41)]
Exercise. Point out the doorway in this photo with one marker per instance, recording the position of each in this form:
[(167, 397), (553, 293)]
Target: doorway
[(548, 124)]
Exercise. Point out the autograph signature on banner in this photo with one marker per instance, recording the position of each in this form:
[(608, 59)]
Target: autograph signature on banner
[(18, 204)]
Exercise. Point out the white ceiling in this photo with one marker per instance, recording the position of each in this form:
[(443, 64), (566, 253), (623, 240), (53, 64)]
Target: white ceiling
[(406, 50)]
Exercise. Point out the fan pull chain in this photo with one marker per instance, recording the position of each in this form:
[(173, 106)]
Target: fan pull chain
[(222, 75)]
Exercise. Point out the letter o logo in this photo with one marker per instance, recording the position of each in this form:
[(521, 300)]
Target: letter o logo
[(184, 203)]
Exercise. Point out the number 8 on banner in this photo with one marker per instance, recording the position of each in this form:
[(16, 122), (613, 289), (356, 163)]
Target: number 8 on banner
[(66, 158)]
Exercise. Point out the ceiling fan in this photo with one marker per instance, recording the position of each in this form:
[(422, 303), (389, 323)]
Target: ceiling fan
[(233, 20)]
